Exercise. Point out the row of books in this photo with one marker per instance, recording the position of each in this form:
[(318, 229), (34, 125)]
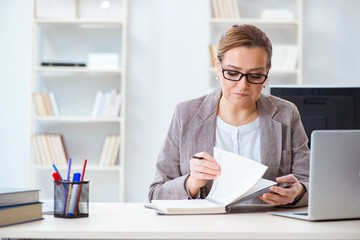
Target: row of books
[(46, 104), (49, 149), (110, 150), (107, 104), (19, 206), (284, 56), (225, 9), (213, 53)]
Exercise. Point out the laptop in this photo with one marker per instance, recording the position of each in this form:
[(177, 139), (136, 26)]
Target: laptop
[(334, 190)]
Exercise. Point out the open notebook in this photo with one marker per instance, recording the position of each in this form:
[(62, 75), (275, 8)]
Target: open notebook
[(240, 180)]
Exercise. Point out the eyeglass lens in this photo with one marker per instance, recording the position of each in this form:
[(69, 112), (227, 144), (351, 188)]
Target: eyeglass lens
[(236, 76)]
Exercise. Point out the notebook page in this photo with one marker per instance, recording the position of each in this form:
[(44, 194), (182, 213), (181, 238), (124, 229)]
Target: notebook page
[(238, 175)]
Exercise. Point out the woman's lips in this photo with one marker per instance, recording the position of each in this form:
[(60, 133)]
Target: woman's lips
[(242, 94)]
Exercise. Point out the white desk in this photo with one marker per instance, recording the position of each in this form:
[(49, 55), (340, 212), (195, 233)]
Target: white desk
[(133, 221)]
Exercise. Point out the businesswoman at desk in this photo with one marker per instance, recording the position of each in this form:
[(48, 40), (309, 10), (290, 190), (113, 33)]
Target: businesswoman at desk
[(238, 118)]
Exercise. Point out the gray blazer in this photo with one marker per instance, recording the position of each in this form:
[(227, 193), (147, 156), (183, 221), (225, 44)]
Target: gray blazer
[(283, 144)]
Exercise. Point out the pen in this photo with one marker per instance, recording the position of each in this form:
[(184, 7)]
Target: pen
[(83, 171), (69, 170), (60, 191), (68, 196), (68, 187), (56, 177), (74, 193), (196, 157), (57, 172), (79, 191)]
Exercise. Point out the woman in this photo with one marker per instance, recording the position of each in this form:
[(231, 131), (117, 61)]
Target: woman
[(236, 118)]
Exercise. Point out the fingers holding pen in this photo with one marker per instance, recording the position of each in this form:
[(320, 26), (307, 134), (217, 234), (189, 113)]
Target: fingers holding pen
[(204, 166)]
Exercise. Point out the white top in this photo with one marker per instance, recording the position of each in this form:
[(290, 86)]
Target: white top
[(243, 140)]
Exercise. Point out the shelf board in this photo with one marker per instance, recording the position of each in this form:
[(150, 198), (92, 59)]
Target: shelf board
[(79, 167), (279, 71), (78, 70), (78, 21), (76, 119), (252, 21)]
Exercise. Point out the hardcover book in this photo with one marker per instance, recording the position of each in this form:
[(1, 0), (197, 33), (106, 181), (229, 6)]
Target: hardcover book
[(20, 213), (16, 196)]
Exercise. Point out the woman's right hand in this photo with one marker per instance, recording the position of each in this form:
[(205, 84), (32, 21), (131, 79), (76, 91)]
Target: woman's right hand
[(201, 170)]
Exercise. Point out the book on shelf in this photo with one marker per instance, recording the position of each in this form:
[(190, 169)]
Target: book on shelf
[(240, 180), (103, 60), (213, 53), (225, 9), (63, 64), (44, 149), (18, 205), (46, 104), (110, 150), (48, 108), (107, 104), (114, 150), (54, 103), (49, 149), (39, 105), (284, 57)]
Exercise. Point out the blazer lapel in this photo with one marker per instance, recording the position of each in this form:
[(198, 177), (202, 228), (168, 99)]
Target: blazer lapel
[(271, 137), (203, 133)]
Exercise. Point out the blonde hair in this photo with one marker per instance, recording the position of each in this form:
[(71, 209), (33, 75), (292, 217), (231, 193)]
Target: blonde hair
[(244, 35)]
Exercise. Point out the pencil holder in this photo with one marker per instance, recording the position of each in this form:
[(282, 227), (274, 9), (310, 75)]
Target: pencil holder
[(71, 199)]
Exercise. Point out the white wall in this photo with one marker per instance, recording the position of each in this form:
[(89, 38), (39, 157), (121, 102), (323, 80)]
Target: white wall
[(15, 70), (165, 65), (331, 42)]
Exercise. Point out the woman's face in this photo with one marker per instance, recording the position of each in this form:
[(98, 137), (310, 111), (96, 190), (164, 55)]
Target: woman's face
[(242, 94)]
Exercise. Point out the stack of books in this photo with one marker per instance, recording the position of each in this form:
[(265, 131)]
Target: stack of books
[(284, 57), (46, 104), (110, 150), (107, 104), (225, 9), (49, 149), (19, 206)]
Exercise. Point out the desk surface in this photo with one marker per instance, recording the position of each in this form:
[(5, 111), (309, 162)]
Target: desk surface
[(133, 221)]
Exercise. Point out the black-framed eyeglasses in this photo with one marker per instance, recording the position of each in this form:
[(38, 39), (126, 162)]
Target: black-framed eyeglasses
[(254, 78)]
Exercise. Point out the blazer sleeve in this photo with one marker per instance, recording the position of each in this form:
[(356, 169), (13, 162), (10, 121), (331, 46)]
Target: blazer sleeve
[(300, 157), (169, 183)]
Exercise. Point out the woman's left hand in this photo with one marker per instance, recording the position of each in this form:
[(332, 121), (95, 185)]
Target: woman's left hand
[(283, 196)]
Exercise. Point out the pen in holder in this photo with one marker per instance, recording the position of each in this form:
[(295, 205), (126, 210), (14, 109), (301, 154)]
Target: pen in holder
[(71, 199)]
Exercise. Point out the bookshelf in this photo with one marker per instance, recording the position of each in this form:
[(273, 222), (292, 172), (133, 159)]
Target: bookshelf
[(94, 34), (281, 20)]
